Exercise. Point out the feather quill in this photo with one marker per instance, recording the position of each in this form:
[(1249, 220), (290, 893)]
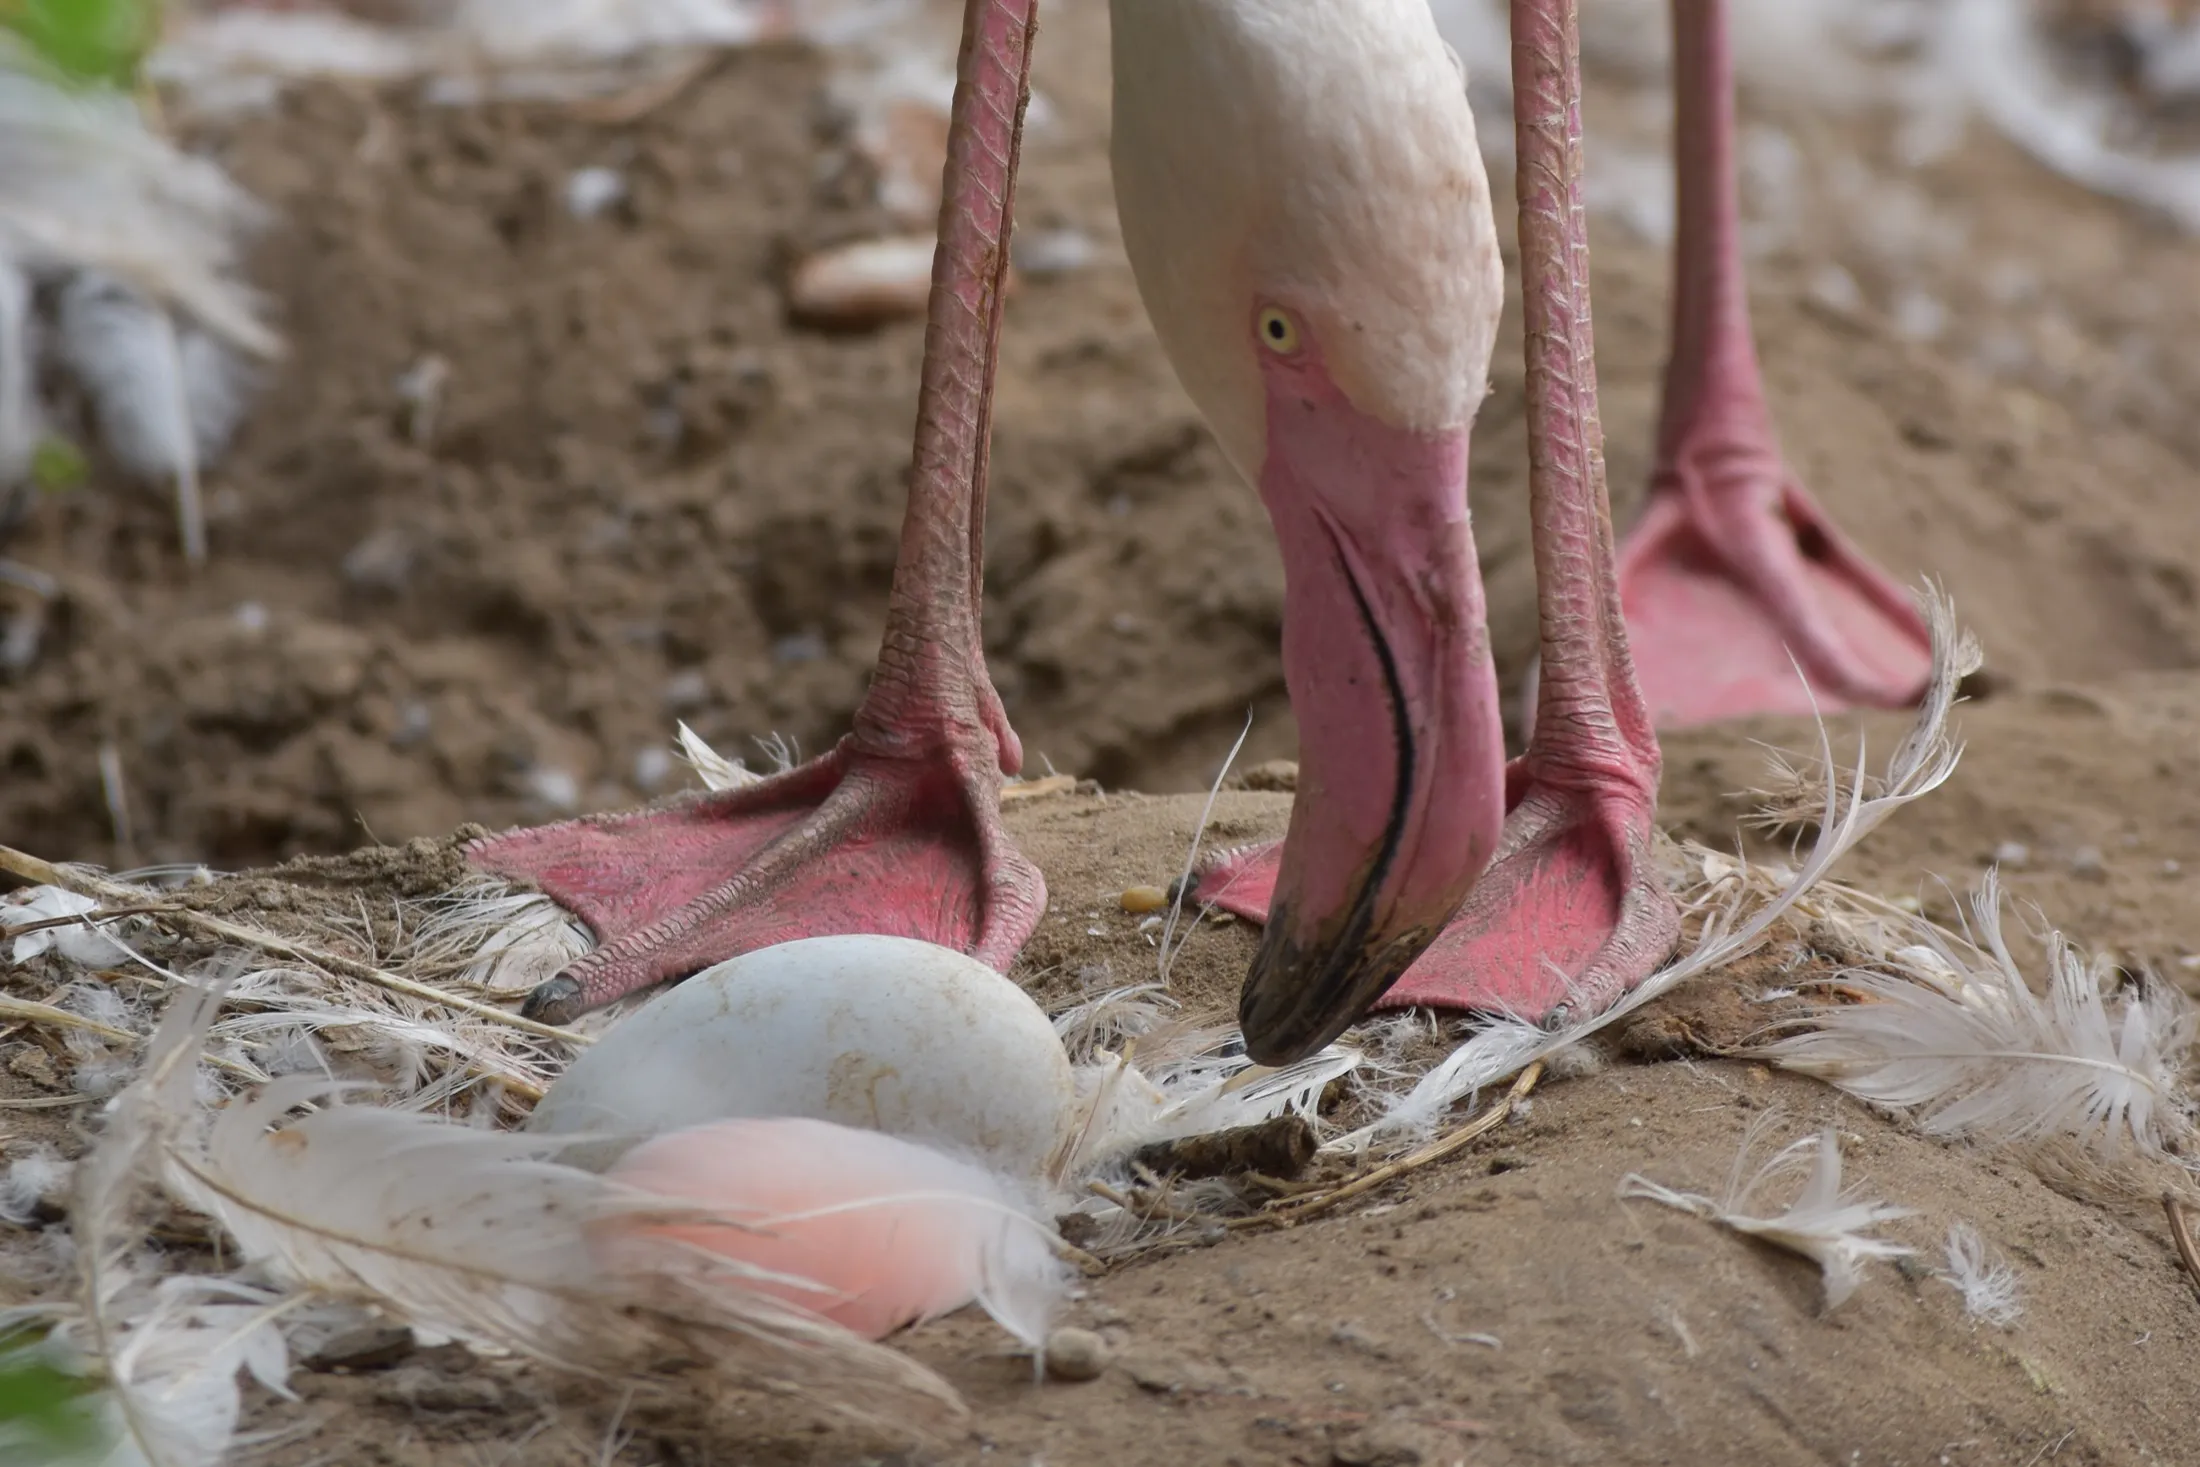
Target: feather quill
[(1921, 763), (1820, 1224), (1959, 1042)]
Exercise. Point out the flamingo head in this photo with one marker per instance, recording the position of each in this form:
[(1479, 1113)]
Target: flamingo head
[(1308, 217)]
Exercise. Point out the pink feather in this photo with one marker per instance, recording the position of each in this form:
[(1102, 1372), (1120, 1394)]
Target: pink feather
[(890, 1232)]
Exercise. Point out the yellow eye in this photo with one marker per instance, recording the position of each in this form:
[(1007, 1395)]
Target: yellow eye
[(1278, 332)]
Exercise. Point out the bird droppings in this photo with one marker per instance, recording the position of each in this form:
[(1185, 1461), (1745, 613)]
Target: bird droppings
[(1074, 1354)]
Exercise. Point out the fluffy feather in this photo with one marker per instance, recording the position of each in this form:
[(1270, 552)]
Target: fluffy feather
[(1146, 1074), (870, 1231), (1960, 1043), (84, 185), (469, 1234), (498, 941), (31, 1178), (715, 770), (1921, 763), (84, 945), (128, 355), (1820, 1224), (1986, 1281), (169, 1348), (1993, 52)]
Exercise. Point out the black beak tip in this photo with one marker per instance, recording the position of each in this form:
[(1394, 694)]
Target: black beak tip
[(1296, 1000)]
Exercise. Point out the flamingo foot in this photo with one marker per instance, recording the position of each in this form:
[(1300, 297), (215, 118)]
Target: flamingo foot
[(1567, 919), (1727, 594), (1735, 578), (898, 830), (899, 844)]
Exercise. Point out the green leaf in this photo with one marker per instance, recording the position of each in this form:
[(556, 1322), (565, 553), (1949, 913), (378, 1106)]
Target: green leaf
[(86, 41), (57, 465), (45, 1412)]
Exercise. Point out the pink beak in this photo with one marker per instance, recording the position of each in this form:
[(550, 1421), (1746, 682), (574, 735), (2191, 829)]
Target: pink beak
[(1401, 791)]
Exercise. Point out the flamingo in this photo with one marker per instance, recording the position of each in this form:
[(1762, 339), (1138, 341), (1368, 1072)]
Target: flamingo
[(1309, 220)]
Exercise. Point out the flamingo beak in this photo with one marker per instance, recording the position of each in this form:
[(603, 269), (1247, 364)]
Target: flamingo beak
[(1401, 792)]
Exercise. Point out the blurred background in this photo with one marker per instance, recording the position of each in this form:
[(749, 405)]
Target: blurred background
[(410, 409)]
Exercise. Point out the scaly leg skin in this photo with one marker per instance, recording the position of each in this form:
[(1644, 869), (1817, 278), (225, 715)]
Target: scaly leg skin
[(1570, 915), (1733, 566), (898, 830)]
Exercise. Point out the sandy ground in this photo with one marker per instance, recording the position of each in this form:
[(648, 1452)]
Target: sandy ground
[(647, 495)]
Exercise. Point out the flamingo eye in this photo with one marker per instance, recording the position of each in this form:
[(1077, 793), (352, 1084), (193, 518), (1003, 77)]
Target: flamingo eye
[(1278, 332)]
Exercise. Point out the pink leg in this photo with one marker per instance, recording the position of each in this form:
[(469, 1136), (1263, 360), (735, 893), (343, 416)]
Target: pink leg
[(897, 830), (1569, 915), (1734, 566)]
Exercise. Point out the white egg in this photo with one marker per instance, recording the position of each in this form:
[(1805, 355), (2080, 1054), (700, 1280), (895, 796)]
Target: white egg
[(882, 1033)]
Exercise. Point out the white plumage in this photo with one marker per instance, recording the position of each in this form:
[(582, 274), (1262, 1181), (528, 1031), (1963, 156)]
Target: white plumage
[(1820, 1224), (138, 244), (1963, 1046), (470, 1234), (1984, 1278)]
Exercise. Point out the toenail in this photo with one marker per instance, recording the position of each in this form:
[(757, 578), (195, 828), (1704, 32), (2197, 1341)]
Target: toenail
[(555, 1002)]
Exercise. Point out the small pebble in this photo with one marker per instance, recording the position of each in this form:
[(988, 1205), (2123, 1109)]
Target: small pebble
[(421, 1390), (687, 690), (369, 1347), (35, 1065), (1053, 252), (1076, 1354), (555, 787), (865, 283), (590, 191), (652, 767), (2087, 864), (2012, 853), (1143, 899)]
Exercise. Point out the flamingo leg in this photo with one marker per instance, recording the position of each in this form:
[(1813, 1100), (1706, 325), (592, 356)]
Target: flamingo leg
[(897, 831), (1734, 566), (1570, 913)]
